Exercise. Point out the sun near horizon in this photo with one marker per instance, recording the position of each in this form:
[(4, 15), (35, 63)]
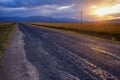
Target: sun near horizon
[(105, 12)]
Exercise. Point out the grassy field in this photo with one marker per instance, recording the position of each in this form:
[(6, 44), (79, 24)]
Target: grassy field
[(5, 33), (104, 30)]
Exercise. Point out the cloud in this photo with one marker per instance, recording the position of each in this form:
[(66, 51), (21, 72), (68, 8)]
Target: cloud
[(65, 7), (42, 10), (33, 3), (54, 8)]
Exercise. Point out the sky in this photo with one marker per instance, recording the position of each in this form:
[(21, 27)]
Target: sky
[(91, 9)]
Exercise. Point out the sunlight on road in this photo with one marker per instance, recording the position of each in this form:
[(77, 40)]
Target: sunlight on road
[(103, 50)]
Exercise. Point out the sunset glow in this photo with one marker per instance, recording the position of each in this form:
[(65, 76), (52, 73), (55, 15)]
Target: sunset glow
[(92, 10), (102, 11)]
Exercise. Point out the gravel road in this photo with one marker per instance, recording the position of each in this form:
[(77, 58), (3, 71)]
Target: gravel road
[(15, 66), (57, 55)]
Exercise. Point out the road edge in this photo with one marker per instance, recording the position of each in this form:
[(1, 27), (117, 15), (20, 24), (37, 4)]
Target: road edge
[(15, 65)]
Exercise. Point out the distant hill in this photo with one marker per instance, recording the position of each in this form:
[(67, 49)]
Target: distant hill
[(111, 21), (38, 19), (114, 20)]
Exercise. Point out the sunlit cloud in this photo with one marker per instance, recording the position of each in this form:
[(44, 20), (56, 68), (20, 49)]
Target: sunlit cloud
[(107, 10), (65, 7)]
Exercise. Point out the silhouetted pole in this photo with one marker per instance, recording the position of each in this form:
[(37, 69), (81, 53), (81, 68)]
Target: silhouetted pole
[(81, 16)]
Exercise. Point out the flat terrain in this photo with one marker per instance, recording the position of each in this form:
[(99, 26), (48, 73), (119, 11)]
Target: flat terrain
[(6, 29), (15, 66), (5, 33), (104, 30), (61, 56)]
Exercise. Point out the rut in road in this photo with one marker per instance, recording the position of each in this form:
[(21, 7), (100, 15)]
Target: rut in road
[(56, 58)]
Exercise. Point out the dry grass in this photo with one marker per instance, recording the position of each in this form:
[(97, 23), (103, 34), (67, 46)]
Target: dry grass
[(4, 23), (104, 30), (5, 33), (98, 27)]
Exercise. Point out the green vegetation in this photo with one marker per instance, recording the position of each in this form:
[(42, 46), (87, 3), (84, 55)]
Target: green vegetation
[(5, 33), (104, 30)]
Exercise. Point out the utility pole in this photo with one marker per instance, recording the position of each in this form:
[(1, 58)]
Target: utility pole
[(81, 16)]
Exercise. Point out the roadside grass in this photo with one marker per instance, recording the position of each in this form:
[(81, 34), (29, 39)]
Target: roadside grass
[(102, 30), (5, 33)]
